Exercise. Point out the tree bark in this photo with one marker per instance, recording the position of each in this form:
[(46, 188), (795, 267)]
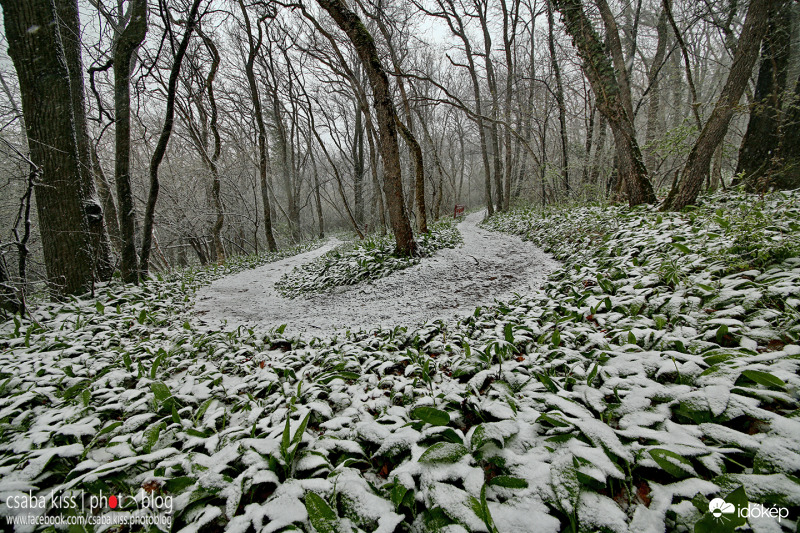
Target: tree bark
[(419, 175), (365, 47), (761, 138), (216, 230), (69, 28), (482, 8), (163, 140), (562, 110), (107, 199), (654, 105), (44, 80), (126, 45), (693, 175), (601, 76), (358, 165), (253, 49)]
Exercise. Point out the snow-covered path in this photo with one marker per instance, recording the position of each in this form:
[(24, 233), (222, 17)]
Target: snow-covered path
[(450, 284)]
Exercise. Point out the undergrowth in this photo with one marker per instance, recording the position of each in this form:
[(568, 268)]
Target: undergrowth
[(657, 370), (369, 259)]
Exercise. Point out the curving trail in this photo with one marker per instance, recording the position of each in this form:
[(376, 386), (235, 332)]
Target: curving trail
[(447, 285)]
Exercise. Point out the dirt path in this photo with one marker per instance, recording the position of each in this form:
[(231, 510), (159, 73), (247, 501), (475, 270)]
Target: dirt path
[(450, 284)]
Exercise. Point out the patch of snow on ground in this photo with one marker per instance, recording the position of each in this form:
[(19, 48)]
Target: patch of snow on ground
[(447, 285)]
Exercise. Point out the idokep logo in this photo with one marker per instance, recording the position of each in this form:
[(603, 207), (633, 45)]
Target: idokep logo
[(726, 514), (719, 507)]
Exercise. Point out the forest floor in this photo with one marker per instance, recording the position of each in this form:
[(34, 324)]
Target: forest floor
[(651, 384), (451, 283)]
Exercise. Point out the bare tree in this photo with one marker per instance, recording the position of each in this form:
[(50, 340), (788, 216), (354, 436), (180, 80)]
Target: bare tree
[(685, 191), (364, 44), (610, 100), (47, 105), (163, 139), (127, 42)]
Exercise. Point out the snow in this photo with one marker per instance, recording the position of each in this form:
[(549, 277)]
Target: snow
[(445, 286)]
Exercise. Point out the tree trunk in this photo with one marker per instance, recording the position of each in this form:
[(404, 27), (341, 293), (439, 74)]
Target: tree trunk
[(686, 190), (317, 198), (562, 110), (785, 173), (419, 175), (262, 130), (128, 41), (358, 165), (761, 139), (654, 104), (510, 19), (70, 30), (216, 230), (365, 47), (107, 199), (163, 140), (601, 76), (481, 8), (686, 64), (44, 81), (9, 300)]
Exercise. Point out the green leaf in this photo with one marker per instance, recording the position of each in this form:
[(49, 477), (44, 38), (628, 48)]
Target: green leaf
[(509, 333), (151, 435), (672, 463), (764, 378), (553, 421), (280, 329), (351, 376), (109, 428), (452, 436), (509, 482), (398, 493), (298, 435), (160, 391), (431, 415), (485, 514), (100, 307), (592, 374), (545, 380), (320, 514), (157, 363), (721, 332), (126, 358), (682, 247), (556, 338), (719, 358), (286, 439), (86, 397), (142, 316), (75, 390), (482, 435), (443, 452), (175, 416), (178, 484), (203, 408)]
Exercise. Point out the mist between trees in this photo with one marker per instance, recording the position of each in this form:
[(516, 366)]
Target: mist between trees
[(141, 136)]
